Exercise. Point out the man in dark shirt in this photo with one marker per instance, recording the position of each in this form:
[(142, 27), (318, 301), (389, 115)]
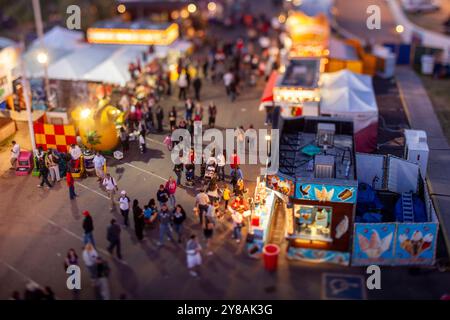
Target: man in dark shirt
[(88, 227), (113, 236)]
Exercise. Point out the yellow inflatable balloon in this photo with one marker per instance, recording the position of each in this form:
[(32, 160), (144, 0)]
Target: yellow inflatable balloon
[(97, 127)]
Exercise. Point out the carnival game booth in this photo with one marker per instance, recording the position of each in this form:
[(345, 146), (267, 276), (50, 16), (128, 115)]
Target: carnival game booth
[(317, 175), (396, 223), (297, 90), (345, 94)]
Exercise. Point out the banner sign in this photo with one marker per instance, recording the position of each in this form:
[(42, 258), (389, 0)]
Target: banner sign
[(394, 243), (325, 193)]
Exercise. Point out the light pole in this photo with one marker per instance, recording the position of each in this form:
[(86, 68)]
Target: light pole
[(42, 56), (269, 151), (27, 96)]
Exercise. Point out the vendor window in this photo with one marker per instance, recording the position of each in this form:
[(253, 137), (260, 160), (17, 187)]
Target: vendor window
[(313, 222)]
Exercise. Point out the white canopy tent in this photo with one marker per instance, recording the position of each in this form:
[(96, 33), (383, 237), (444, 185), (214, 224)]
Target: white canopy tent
[(75, 65), (349, 95), (61, 38), (346, 79), (115, 69)]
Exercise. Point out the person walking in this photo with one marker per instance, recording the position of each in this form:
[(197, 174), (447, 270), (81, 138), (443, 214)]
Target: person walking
[(212, 113), (228, 80), (237, 225), (165, 218), (111, 187), (102, 281), (124, 140), (99, 165), (71, 259), (182, 85), (43, 174), (15, 152), (51, 161), (113, 237), (202, 202), (124, 206), (179, 216), (171, 187), (162, 196), (221, 162), (208, 227), (189, 107), (178, 169), (234, 162), (159, 118), (193, 255), (198, 112), (88, 228), (90, 256), (226, 196), (173, 118), (142, 144), (197, 87), (139, 220), (71, 185)]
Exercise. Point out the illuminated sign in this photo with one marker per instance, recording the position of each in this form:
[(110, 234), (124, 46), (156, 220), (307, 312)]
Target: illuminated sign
[(325, 193), (133, 36)]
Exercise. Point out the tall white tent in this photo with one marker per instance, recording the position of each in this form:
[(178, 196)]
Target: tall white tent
[(349, 95), (75, 65)]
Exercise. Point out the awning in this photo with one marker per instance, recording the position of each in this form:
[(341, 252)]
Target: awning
[(267, 97)]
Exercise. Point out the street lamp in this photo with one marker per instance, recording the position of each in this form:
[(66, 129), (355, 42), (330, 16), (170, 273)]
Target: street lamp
[(269, 151), (27, 96), (42, 56), (192, 8)]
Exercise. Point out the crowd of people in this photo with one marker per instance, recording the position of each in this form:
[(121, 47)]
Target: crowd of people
[(235, 65)]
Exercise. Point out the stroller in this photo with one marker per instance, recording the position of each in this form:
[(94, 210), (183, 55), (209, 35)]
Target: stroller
[(210, 171), (190, 171)]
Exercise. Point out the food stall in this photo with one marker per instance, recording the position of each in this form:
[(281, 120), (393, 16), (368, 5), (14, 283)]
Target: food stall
[(260, 219), (297, 90), (318, 178)]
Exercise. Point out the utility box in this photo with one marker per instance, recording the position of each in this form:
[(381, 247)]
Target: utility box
[(416, 149)]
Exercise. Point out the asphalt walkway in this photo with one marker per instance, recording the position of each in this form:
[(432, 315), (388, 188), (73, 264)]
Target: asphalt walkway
[(421, 116)]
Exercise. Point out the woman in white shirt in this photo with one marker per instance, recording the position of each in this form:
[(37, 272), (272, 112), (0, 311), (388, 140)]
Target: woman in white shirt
[(89, 257)]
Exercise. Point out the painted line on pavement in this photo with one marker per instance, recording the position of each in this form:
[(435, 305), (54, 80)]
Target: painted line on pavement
[(20, 273), (145, 171), (90, 189), (106, 252), (155, 141)]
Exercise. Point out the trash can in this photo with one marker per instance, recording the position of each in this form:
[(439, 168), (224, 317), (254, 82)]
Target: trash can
[(427, 64), (270, 253)]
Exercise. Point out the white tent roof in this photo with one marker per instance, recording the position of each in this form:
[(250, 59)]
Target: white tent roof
[(61, 38), (350, 95), (75, 65), (115, 69), (345, 100), (346, 79)]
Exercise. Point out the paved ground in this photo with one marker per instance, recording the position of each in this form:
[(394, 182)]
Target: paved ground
[(37, 227), (432, 20), (352, 16)]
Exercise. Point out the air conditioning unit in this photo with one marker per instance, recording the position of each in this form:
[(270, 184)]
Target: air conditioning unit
[(325, 134), (324, 166)]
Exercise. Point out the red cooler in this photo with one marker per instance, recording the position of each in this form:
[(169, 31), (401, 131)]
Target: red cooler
[(270, 253)]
